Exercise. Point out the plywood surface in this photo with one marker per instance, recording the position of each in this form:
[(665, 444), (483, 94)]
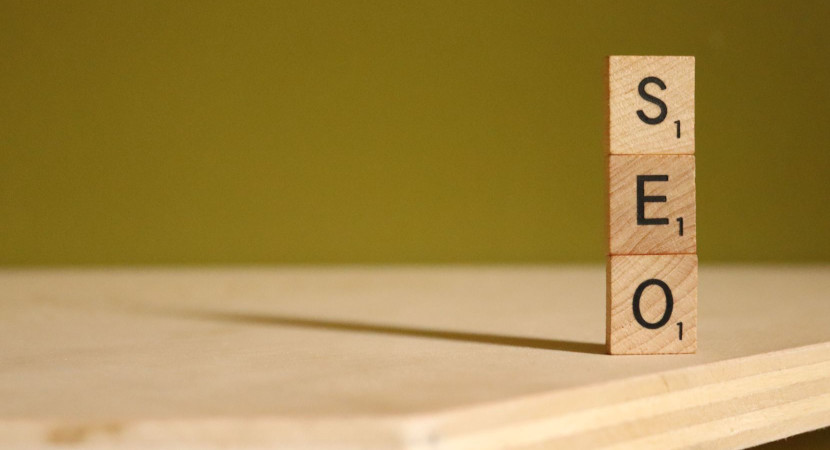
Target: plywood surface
[(399, 358)]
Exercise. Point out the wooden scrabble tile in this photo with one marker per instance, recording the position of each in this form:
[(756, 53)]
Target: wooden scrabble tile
[(651, 304), (651, 102), (651, 204)]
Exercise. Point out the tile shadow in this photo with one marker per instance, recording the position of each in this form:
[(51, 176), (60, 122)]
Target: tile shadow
[(397, 330)]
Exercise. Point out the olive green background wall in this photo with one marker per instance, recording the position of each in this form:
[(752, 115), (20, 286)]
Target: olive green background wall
[(390, 132)]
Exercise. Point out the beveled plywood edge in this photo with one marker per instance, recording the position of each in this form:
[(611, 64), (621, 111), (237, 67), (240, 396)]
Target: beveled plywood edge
[(738, 402), (732, 403)]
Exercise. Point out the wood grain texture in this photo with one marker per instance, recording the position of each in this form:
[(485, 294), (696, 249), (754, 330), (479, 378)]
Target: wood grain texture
[(415, 358), (627, 273), (628, 133), (626, 236)]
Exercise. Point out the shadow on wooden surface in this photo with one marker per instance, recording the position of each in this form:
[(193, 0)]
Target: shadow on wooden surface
[(396, 330)]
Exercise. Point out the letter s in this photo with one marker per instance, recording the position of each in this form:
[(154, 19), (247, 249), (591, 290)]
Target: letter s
[(652, 99)]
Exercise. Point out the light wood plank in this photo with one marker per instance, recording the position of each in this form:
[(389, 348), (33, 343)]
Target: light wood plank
[(398, 358)]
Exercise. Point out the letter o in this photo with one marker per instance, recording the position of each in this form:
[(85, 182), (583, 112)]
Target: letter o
[(669, 304)]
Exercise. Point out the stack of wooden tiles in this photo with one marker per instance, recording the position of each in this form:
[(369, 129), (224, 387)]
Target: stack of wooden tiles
[(652, 247)]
